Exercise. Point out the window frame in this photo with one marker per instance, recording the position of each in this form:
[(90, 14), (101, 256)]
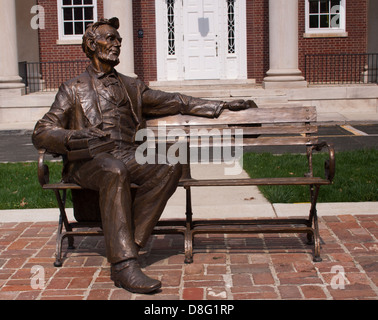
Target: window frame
[(231, 27), (171, 29), (72, 39), (327, 32)]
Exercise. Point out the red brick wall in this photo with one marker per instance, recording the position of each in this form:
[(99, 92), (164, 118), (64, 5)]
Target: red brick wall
[(49, 50), (257, 39), (356, 26), (145, 48), (258, 36)]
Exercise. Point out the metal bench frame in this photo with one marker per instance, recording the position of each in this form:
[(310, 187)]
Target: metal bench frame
[(273, 126)]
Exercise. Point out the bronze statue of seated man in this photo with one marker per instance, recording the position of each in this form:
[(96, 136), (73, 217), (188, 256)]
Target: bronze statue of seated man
[(102, 102)]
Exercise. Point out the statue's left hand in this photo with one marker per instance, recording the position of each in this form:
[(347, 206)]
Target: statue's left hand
[(237, 105), (91, 132)]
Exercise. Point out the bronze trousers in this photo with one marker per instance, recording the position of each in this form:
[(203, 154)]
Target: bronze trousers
[(128, 221)]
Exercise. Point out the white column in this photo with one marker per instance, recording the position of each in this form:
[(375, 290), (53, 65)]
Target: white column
[(283, 46), (10, 81), (123, 10)]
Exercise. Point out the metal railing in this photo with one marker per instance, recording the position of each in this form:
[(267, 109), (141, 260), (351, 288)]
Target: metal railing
[(341, 68), (48, 76)]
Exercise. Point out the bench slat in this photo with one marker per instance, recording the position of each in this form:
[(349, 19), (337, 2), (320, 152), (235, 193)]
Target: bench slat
[(217, 182), (299, 129), (204, 131), (261, 141), (66, 186), (251, 116), (61, 186), (280, 141), (253, 182)]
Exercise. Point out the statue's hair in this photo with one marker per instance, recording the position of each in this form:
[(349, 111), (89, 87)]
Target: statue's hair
[(90, 33)]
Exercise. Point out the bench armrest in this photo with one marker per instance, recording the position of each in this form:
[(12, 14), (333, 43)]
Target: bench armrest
[(43, 169), (330, 164)]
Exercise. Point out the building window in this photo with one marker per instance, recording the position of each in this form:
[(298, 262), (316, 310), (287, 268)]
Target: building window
[(325, 16), (171, 27), (231, 26), (74, 17)]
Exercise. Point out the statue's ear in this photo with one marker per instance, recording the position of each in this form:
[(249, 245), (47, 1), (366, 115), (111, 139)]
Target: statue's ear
[(91, 44), (114, 22)]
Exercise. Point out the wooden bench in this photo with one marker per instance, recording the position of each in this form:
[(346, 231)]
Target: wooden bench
[(268, 126)]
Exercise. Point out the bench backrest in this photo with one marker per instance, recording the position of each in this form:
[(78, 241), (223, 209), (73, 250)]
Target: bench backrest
[(289, 125)]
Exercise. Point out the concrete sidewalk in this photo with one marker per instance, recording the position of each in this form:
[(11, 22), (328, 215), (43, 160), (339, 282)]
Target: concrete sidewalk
[(233, 209), (278, 210)]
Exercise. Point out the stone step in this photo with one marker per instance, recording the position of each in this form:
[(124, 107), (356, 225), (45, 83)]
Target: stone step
[(223, 90), (222, 87), (185, 83)]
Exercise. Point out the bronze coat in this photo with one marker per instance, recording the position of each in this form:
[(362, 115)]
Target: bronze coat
[(77, 106)]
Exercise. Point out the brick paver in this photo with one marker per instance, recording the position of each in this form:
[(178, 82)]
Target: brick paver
[(229, 267)]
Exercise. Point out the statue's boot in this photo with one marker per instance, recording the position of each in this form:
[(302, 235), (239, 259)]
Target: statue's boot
[(129, 276)]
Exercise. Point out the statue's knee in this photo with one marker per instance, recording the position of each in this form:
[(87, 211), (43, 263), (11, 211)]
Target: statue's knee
[(116, 169)]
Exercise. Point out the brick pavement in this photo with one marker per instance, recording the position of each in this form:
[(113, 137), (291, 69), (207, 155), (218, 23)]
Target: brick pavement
[(230, 267)]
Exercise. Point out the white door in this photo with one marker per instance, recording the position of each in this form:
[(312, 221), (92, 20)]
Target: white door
[(201, 39)]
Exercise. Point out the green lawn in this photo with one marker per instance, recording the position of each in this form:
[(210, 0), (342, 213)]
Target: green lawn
[(20, 189), (356, 177)]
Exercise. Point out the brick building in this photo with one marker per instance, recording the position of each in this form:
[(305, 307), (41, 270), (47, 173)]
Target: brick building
[(210, 39), (265, 43)]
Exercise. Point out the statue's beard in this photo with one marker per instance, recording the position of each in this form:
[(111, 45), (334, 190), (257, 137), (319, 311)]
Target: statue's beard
[(109, 58)]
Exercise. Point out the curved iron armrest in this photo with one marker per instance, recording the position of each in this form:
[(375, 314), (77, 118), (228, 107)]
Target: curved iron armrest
[(43, 169), (330, 164)]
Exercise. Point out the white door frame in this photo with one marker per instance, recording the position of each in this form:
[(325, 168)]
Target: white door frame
[(171, 67)]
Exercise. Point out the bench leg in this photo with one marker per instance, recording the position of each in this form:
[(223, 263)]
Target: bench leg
[(188, 247), (63, 222), (58, 253), (317, 257), (310, 239), (189, 228), (314, 238)]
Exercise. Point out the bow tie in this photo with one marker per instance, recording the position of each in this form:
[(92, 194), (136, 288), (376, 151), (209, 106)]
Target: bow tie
[(110, 79)]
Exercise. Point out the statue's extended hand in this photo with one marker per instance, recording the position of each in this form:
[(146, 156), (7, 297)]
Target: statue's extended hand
[(240, 105)]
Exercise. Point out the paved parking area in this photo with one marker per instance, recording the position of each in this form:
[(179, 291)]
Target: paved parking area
[(18, 147), (226, 267)]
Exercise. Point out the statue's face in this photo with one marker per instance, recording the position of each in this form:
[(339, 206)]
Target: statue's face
[(108, 45)]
